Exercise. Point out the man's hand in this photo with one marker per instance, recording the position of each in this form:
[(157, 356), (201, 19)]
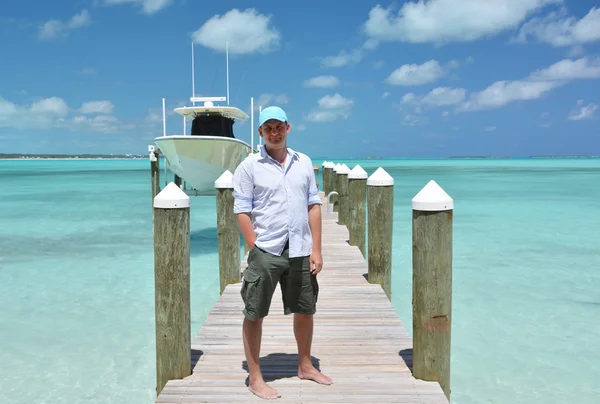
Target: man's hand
[(316, 262)]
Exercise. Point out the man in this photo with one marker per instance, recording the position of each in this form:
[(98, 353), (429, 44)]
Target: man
[(278, 211)]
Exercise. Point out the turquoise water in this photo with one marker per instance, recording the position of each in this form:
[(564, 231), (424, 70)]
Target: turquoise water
[(77, 286)]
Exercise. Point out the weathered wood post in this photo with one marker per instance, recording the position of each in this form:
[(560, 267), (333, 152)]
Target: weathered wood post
[(335, 187), (324, 177), (357, 203), (316, 174), (343, 211), (228, 233), (172, 285), (380, 201), (432, 284), (154, 170), (327, 170)]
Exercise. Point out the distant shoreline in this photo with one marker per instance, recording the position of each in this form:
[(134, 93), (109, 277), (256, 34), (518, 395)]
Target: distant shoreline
[(19, 156)]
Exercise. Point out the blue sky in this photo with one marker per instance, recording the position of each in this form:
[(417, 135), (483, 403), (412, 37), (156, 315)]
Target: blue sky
[(415, 79)]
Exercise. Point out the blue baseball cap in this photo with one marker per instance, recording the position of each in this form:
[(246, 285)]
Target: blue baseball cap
[(272, 113)]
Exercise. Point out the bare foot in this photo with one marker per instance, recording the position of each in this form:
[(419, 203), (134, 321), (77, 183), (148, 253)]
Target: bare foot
[(262, 390), (314, 375)]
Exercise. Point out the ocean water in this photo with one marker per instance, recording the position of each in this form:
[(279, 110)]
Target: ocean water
[(77, 283)]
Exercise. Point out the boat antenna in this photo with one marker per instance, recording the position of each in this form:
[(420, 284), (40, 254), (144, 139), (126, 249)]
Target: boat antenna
[(227, 61), (260, 138), (164, 118), (193, 81), (252, 123)]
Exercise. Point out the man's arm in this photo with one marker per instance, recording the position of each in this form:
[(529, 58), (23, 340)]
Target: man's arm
[(243, 194), (314, 222), (244, 222)]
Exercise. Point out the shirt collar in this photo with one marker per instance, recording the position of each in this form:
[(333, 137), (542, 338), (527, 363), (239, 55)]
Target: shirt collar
[(291, 153)]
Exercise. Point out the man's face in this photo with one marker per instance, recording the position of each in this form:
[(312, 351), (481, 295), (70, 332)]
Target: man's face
[(274, 132)]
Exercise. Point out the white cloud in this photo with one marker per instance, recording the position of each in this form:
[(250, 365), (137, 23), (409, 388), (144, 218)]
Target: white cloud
[(558, 29), (266, 99), (322, 81), (583, 111), (97, 107), (335, 101), (148, 6), (504, 92), (99, 123), (386, 94), (568, 69), (331, 108), (489, 128), (56, 29), (343, 58), (247, 32), (54, 112), (536, 85), (414, 75), (445, 21), (443, 96), (88, 71)]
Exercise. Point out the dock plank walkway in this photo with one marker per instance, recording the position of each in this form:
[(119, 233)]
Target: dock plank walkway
[(359, 341)]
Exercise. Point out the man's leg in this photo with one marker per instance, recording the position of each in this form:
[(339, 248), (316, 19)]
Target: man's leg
[(303, 330), (252, 331), (300, 293)]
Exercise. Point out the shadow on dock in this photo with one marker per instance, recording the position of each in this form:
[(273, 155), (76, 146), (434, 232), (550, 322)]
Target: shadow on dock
[(407, 356), (196, 355), (280, 366)]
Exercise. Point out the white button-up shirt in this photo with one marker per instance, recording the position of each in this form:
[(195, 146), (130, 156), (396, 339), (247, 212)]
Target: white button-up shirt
[(277, 198)]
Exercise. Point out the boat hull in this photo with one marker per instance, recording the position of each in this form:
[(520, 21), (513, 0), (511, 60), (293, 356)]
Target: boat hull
[(200, 160)]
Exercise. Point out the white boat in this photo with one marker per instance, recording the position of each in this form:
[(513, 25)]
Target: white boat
[(200, 157)]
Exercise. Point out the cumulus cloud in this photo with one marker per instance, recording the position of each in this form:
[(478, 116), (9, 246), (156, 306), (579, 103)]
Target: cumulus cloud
[(54, 112), (444, 21), (97, 107), (583, 111), (322, 81), (247, 32), (503, 92), (558, 29), (56, 29), (415, 75), (331, 108), (266, 99), (148, 6)]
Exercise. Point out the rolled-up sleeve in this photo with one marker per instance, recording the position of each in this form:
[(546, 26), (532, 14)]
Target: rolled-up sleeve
[(243, 189), (313, 191)]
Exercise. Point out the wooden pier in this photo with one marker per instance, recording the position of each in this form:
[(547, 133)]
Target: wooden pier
[(359, 341)]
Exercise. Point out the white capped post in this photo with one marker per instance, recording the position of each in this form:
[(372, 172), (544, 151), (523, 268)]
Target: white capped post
[(225, 180), (252, 123), (184, 124), (171, 197), (164, 118), (432, 198), (432, 214)]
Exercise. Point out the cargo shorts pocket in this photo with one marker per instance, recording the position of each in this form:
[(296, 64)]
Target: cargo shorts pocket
[(250, 292)]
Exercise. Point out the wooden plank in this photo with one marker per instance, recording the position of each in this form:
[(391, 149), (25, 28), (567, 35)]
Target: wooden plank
[(359, 341)]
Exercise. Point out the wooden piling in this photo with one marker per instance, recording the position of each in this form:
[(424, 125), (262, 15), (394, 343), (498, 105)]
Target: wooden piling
[(154, 170), (380, 201), (327, 170), (228, 233), (357, 207), (342, 173), (432, 284), (335, 188), (172, 285)]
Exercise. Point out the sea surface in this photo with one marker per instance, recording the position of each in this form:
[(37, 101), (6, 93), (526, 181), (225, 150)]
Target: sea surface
[(77, 283)]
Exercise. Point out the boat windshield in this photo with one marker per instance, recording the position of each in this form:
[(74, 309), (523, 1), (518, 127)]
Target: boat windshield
[(212, 125)]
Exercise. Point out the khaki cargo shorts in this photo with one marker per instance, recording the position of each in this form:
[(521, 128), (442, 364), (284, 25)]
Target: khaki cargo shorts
[(299, 288)]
